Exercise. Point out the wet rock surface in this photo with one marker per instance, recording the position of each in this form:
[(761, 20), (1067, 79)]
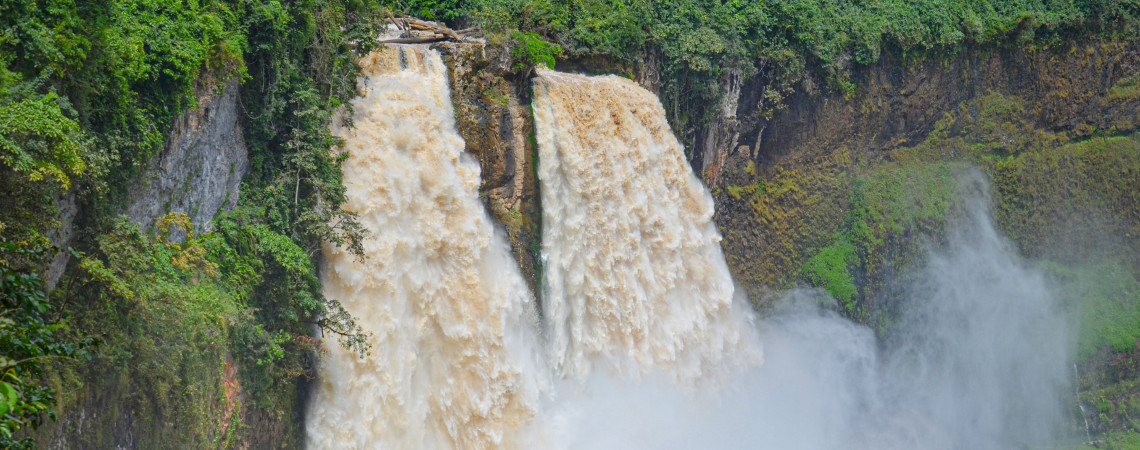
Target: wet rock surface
[(492, 112)]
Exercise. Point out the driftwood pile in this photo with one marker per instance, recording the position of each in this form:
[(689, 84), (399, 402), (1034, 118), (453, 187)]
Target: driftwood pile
[(415, 31)]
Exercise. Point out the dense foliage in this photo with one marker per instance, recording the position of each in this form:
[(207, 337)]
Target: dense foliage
[(28, 339), (700, 46), (88, 91)]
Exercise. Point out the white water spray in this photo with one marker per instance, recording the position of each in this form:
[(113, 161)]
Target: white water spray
[(634, 272), (640, 306)]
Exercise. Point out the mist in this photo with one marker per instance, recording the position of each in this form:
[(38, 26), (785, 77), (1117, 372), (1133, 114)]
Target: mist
[(645, 341), (978, 359)]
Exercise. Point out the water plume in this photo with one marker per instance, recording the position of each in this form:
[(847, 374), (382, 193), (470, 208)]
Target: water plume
[(645, 342), (977, 360)]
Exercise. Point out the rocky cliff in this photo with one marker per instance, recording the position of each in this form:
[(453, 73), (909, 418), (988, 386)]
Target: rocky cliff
[(198, 173), (200, 168), (492, 111), (843, 192), (1052, 96), (847, 192)]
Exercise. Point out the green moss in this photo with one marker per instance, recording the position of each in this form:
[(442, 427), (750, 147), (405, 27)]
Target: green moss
[(739, 191), (829, 269), (496, 96), (1072, 201), (1075, 202), (894, 198), (750, 168), (839, 225), (771, 227), (891, 210), (1122, 440), (1107, 297)]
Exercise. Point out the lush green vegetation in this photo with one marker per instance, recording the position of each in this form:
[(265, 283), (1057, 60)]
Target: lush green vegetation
[(167, 319), (784, 45), (531, 50), (29, 337), (88, 91), (830, 269)]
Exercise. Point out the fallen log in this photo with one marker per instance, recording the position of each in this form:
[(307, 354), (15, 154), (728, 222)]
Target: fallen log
[(409, 24), (428, 26), (416, 40)]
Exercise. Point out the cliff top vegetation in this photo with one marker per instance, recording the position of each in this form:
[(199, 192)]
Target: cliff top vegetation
[(700, 46)]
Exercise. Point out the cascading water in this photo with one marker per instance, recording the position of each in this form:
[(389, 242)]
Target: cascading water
[(640, 307), (451, 364), (635, 278)]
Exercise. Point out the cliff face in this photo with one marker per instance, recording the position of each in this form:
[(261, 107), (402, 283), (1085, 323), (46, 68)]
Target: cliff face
[(806, 156), (900, 98), (199, 171), (899, 101), (102, 405), (848, 193), (492, 112)]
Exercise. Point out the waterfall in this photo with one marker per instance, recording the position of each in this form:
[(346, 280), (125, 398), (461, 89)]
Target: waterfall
[(634, 274), (644, 341), (453, 362)]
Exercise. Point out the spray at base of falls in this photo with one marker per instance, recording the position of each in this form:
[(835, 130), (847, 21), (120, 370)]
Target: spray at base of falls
[(454, 359), (644, 342), (635, 273), (977, 360)]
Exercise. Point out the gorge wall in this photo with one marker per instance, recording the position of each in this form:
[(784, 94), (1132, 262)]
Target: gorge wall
[(832, 192), (1047, 97), (109, 405), (848, 193)]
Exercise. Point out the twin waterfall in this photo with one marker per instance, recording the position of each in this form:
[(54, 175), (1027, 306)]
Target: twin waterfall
[(635, 276), (643, 341)]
